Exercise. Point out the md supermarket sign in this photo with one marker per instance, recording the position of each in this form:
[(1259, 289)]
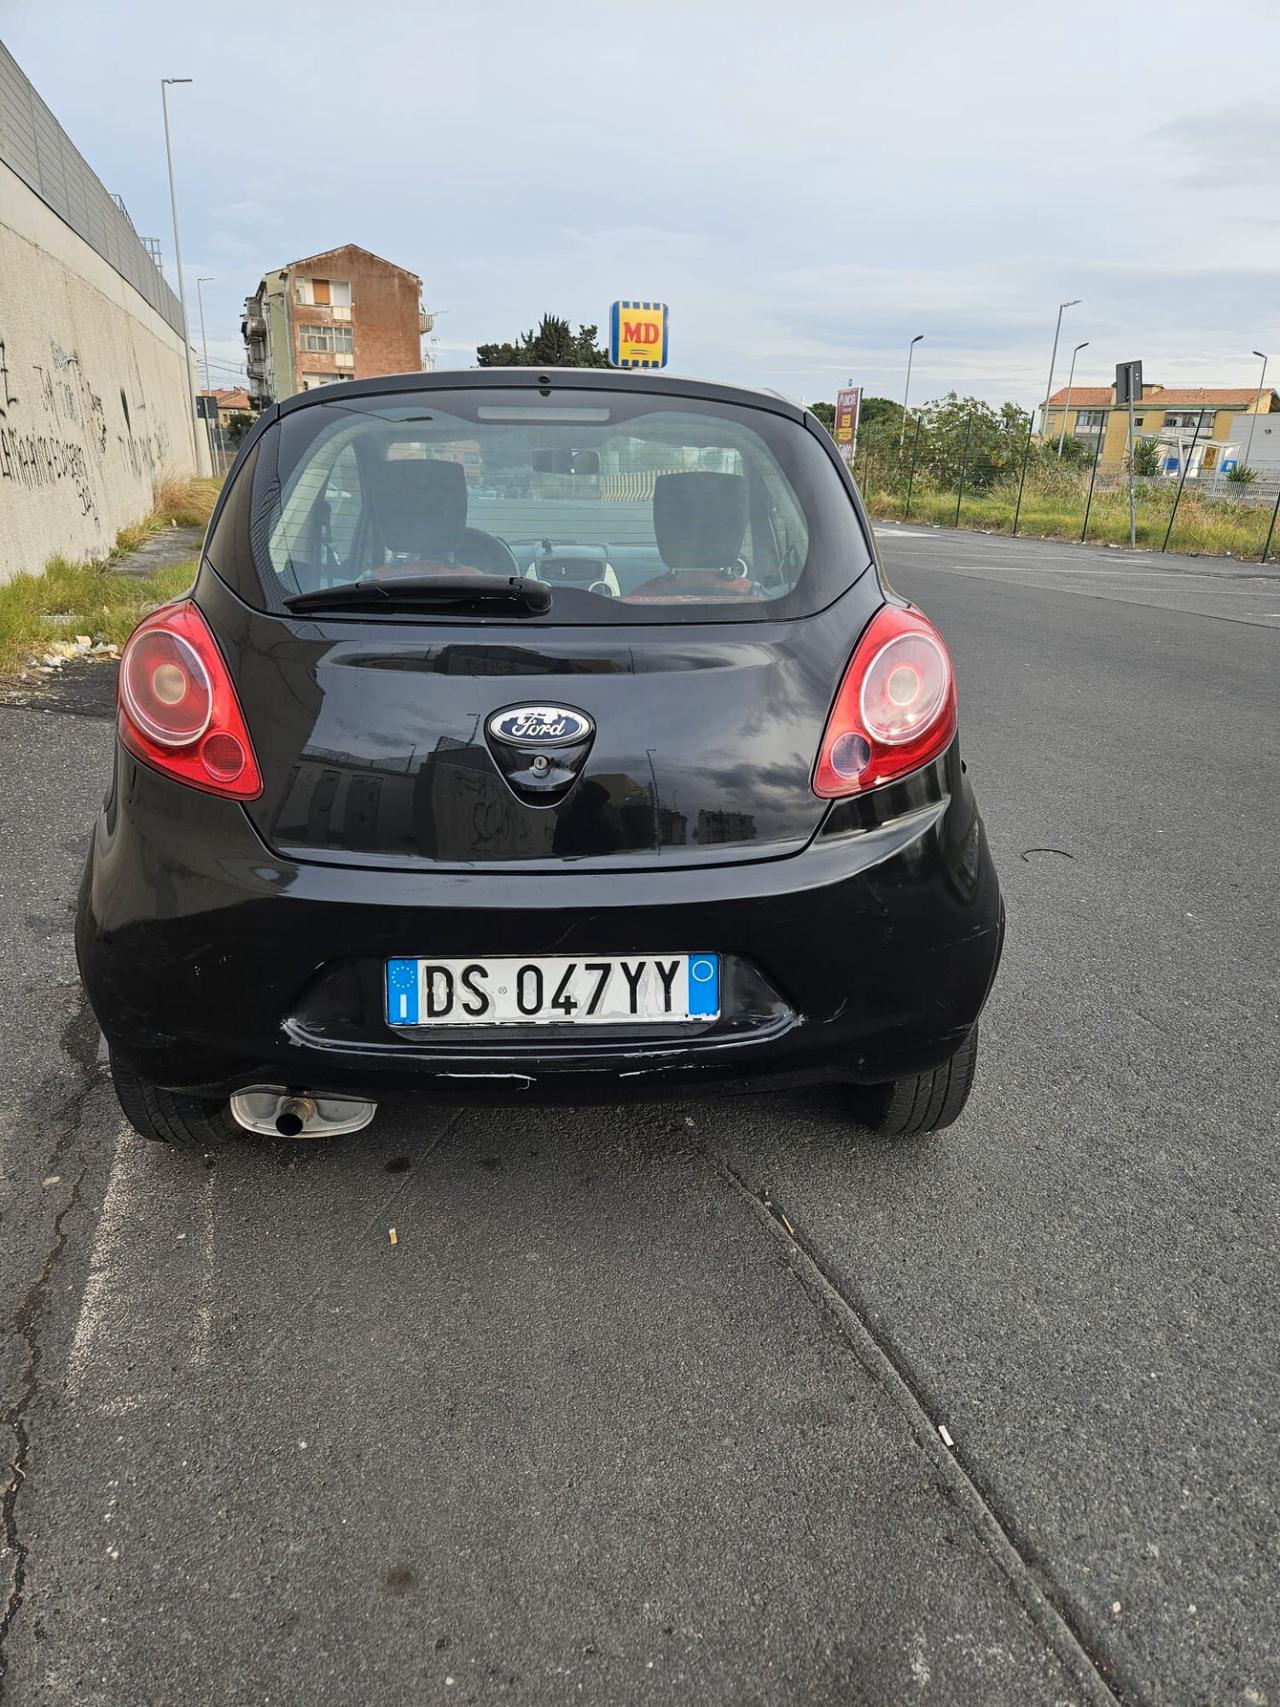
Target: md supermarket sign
[(638, 334)]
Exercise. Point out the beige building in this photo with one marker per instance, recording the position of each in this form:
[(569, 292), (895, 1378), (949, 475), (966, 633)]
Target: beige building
[(1208, 425)]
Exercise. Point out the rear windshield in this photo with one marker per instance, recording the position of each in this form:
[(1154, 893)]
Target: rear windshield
[(629, 506)]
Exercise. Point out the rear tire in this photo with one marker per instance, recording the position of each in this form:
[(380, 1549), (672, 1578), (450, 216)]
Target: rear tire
[(170, 1117), (923, 1102)]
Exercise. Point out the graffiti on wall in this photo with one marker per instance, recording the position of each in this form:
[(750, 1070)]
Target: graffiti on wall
[(64, 435), (7, 399), (33, 458)]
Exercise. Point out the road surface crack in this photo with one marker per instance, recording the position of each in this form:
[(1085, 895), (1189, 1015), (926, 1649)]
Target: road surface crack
[(1040, 1600), (24, 1325)]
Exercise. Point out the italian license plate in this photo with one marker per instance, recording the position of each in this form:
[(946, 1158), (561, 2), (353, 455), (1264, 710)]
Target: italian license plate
[(554, 990)]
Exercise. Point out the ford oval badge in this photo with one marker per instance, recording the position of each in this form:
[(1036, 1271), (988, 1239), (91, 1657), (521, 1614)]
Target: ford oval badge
[(540, 726)]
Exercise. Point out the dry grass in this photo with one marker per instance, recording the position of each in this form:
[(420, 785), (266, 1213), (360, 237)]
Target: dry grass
[(1053, 507), (186, 503), (69, 599), (177, 504)]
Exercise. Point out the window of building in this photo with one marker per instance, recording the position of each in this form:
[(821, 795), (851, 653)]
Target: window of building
[(302, 293), (340, 292), (320, 292), (324, 340), (1090, 420), (1186, 419)]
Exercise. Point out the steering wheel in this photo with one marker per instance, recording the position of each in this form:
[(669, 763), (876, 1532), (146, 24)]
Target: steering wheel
[(488, 553)]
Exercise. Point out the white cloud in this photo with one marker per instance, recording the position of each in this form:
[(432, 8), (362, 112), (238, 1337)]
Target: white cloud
[(807, 187)]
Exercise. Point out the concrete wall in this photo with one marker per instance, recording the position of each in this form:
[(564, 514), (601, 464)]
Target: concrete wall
[(1265, 453), (93, 392)]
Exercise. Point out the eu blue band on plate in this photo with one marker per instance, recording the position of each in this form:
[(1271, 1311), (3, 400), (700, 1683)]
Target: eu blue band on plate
[(704, 984), (402, 992)]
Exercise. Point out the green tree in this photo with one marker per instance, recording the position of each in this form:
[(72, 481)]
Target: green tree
[(878, 409), (965, 434), (238, 425), (826, 413), (554, 344)]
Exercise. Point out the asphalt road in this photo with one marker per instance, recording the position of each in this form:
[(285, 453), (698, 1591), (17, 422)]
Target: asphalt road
[(598, 1427)]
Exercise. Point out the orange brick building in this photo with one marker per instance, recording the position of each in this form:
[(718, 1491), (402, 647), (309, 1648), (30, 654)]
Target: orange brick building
[(341, 314)]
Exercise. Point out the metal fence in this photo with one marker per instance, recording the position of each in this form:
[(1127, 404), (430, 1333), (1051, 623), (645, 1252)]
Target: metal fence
[(976, 475), (34, 145)]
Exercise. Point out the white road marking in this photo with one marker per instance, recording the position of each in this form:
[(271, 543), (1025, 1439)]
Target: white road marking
[(1087, 569), (202, 1340), (1131, 595), (101, 1263), (130, 1296)]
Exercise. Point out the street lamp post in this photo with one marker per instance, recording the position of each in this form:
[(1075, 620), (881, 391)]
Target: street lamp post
[(1053, 362), (1070, 381), (1257, 404), (911, 350), (165, 83)]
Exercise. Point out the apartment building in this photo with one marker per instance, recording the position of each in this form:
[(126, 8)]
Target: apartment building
[(1210, 426), (342, 314)]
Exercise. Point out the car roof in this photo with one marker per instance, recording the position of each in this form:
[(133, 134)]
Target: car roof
[(533, 378)]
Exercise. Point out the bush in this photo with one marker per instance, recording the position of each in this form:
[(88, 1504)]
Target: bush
[(1242, 474), (1148, 456)]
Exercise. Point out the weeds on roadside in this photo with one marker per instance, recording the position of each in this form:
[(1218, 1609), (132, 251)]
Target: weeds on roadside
[(1053, 507), (69, 599)]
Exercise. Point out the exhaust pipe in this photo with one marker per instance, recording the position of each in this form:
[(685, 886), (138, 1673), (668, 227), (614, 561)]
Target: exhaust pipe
[(293, 1115), (272, 1111)]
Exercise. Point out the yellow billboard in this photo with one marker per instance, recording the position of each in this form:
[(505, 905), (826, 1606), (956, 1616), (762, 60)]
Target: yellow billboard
[(638, 334)]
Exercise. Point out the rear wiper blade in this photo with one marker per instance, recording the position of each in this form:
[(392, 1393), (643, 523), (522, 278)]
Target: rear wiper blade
[(422, 590)]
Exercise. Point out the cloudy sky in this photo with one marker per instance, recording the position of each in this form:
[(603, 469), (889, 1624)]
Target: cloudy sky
[(807, 184)]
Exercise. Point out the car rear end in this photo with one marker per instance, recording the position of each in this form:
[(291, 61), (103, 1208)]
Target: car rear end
[(615, 771)]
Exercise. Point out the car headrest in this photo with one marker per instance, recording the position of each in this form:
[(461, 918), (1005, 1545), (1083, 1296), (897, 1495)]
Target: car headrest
[(421, 505), (699, 520)]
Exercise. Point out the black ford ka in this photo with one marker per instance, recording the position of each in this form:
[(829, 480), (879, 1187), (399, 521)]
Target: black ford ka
[(535, 735)]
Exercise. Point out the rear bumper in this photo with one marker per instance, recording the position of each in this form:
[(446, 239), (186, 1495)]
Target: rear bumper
[(212, 964)]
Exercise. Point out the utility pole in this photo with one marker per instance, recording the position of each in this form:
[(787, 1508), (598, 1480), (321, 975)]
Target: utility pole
[(1133, 497), (177, 257), (204, 346)]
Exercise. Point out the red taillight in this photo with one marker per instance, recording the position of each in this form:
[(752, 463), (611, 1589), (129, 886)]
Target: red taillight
[(896, 708), (178, 708)]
